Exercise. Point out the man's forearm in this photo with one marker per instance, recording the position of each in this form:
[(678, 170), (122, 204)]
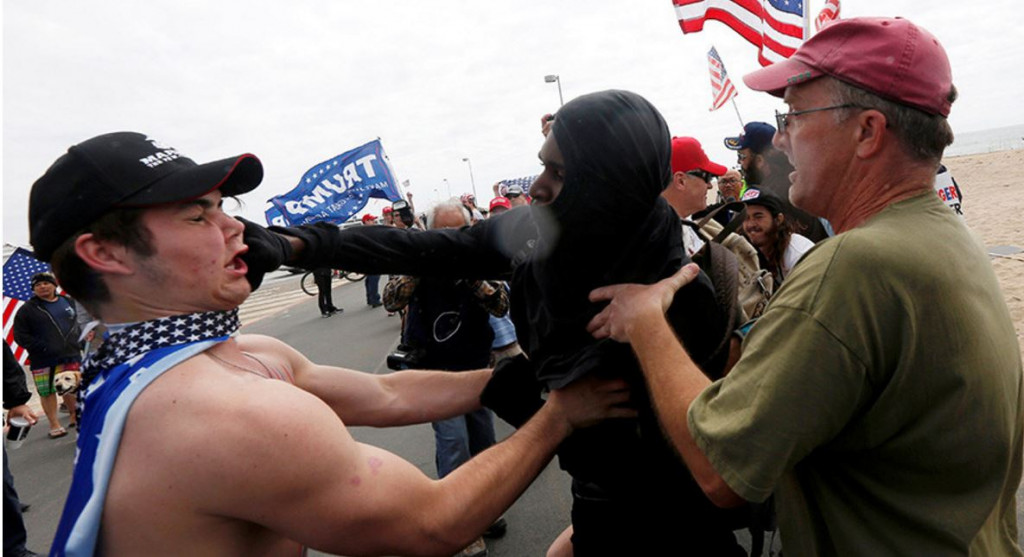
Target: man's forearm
[(451, 253), (428, 396), (477, 492), (674, 381)]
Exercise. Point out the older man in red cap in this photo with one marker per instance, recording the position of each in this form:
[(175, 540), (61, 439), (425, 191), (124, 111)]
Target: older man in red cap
[(880, 395), (687, 193)]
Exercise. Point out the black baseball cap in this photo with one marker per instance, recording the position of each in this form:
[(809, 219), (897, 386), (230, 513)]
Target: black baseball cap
[(124, 169), (757, 197)]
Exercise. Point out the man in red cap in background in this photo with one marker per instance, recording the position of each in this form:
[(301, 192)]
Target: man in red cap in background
[(498, 206), (387, 215), (880, 394), (687, 193)]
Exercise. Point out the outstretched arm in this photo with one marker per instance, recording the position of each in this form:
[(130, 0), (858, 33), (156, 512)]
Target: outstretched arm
[(636, 314), (311, 482), (484, 251), (399, 398)]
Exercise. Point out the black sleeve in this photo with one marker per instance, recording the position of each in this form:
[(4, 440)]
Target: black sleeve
[(486, 250), (24, 334), (15, 391), (698, 320)]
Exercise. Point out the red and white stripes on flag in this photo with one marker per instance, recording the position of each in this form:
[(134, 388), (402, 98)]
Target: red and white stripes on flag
[(721, 86), (11, 307), (829, 13), (776, 27)]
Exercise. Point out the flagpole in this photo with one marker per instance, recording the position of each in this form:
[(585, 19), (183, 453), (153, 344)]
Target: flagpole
[(807, 21), (737, 111)]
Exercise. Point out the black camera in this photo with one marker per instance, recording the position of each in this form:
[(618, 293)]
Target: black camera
[(405, 357), (404, 212)]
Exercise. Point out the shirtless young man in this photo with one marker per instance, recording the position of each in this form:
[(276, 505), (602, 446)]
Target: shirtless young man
[(199, 441)]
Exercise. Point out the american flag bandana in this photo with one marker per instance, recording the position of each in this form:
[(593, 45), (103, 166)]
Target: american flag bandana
[(147, 336), (128, 362)]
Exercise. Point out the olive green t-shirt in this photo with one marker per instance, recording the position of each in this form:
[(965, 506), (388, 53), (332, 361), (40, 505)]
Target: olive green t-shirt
[(879, 396)]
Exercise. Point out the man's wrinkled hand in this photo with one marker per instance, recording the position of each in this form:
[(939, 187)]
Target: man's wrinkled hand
[(631, 304), (589, 401), (267, 251)]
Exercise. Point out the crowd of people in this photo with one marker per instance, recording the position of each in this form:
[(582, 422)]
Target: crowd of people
[(876, 398)]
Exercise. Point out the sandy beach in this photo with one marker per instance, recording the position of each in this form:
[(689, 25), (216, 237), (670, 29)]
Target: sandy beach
[(995, 212)]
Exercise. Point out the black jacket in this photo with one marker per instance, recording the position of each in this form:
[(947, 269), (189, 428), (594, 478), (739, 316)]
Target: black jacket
[(36, 331), (15, 391)]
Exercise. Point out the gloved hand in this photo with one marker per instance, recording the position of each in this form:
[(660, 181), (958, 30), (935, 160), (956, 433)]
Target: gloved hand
[(513, 392), (267, 251)]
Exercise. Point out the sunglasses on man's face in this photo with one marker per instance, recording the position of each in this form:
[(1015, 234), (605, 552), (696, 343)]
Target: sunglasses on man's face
[(702, 174), (513, 195)]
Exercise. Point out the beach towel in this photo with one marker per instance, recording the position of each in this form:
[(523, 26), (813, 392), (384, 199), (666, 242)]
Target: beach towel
[(127, 363)]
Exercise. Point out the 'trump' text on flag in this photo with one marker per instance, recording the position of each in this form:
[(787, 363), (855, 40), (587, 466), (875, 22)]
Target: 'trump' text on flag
[(337, 188), (776, 27)]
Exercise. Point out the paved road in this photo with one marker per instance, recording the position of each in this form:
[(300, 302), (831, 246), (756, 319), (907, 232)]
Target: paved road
[(359, 338)]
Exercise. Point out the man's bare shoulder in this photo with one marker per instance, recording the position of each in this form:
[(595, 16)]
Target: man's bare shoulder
[(212, 448), (204, 399)]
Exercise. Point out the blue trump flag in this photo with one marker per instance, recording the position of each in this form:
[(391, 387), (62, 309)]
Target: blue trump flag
[(337, 188)]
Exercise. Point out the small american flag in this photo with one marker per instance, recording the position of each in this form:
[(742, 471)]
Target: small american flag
[(525, 182), (829, 13), (18, 271), (721, 86), (776, 27)]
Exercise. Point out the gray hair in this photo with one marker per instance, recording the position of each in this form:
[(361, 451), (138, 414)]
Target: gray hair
[(450, 205), (924, 136)]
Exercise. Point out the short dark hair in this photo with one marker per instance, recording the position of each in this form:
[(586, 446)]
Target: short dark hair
[(924, 136), (81, 281)]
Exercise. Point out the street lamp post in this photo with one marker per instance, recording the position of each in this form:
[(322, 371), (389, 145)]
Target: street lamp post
[(555, 79), (471, 180), (448, 186)]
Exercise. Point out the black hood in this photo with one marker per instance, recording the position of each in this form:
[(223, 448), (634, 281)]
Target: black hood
[(617, 151), (607, 225)]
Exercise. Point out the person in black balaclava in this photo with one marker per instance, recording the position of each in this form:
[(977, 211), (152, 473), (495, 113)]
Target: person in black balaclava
[(597, 218)]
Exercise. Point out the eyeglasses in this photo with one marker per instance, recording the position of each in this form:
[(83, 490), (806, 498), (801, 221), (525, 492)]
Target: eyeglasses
[(513, 195), (740, 157), (729, 180), (702, 174), (782, 118)]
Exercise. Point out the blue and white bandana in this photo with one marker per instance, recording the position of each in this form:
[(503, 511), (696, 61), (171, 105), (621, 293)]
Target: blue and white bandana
[(127, 363)]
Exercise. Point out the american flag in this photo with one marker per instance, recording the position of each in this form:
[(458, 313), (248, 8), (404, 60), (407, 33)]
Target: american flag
[(525, 182), (829, 13), (18, 271), (721, 86), (776, 27)]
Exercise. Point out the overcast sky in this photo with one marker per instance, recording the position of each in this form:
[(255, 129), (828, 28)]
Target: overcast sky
[(300, 82)]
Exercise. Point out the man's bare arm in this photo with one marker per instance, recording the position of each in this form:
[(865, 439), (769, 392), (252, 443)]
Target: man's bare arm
[(636, 314), (399, 398), (300, 474)]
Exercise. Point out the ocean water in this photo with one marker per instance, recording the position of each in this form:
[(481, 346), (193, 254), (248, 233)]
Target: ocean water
[(986, 141)]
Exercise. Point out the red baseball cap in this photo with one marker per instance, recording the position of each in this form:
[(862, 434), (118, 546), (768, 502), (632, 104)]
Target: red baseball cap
[(890, 57), (368, 217), (688, 155), (500, 202), (386, 210)]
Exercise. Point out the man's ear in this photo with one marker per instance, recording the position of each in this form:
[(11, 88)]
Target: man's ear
[(779, 219), (678, 180), (104, 256), (870, 132)]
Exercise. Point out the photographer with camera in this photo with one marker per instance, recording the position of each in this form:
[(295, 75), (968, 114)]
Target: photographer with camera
[(446, 328)]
